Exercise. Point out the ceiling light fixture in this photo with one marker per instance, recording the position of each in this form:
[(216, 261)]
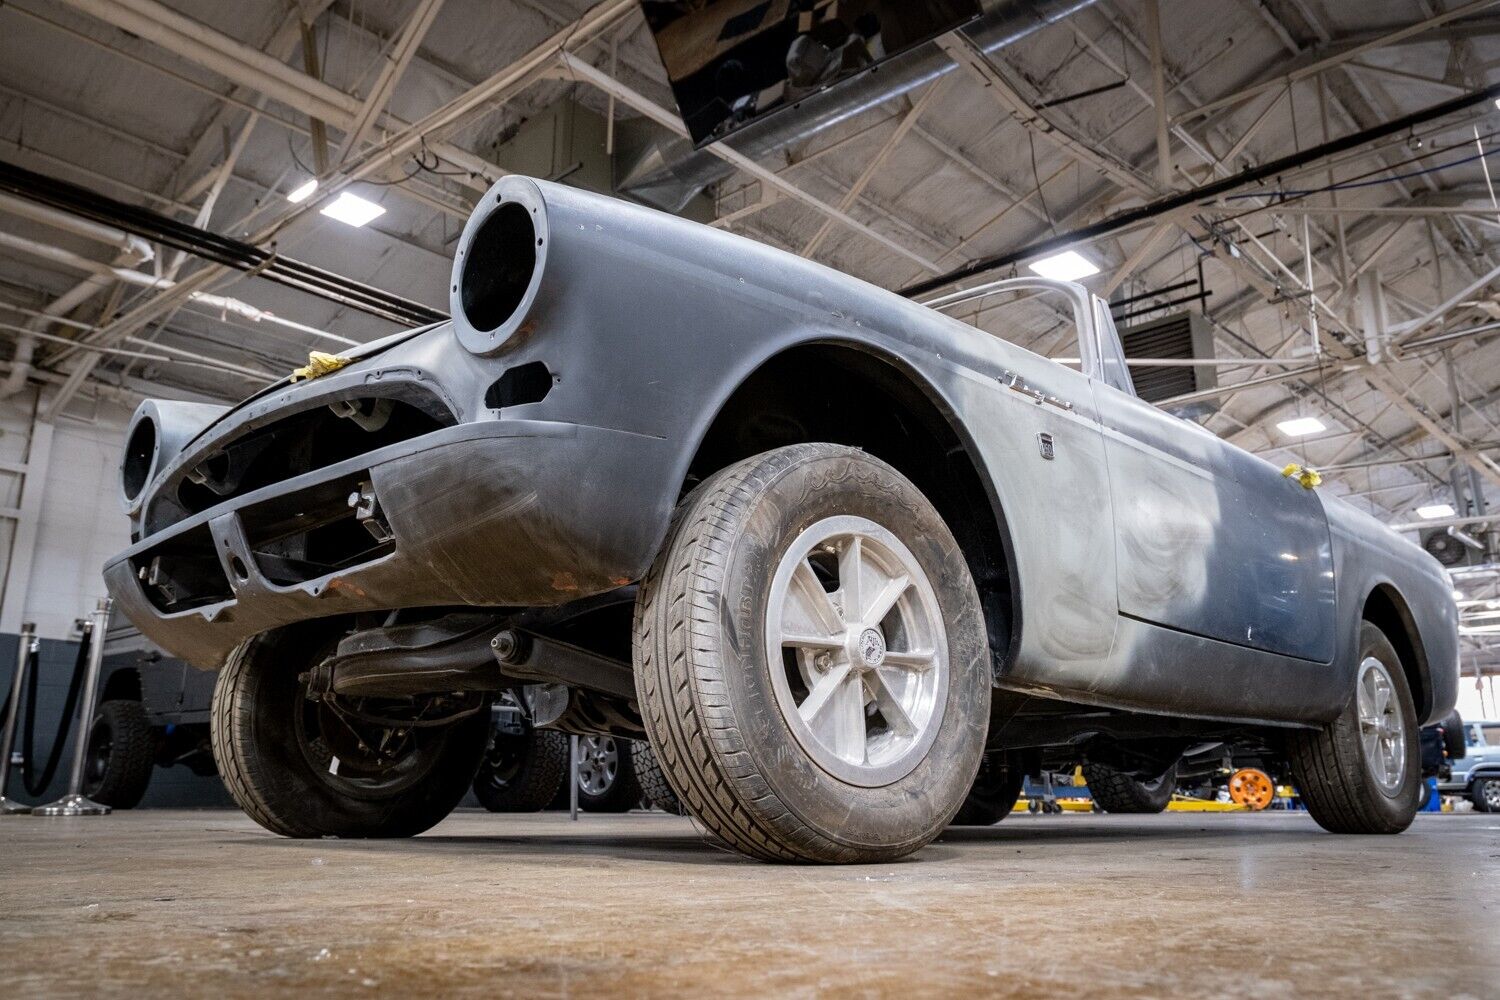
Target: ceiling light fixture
[(1435, 510), (352, 210), (302, 191), (1301, 426), (1070, 265)]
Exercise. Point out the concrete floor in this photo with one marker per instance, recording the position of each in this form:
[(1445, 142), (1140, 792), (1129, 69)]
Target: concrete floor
[(158, 902)]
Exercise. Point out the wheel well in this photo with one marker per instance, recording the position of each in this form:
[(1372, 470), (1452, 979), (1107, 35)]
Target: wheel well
[(123, 684), (844, 395), (1387, 611)]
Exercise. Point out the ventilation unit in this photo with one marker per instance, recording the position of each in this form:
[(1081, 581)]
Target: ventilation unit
[(1446, 547), (1182, 335)]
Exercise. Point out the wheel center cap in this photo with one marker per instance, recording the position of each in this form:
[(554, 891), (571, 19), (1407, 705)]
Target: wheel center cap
[(872, 647)]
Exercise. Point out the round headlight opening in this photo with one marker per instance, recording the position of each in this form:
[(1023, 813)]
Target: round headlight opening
[(140, 453), (497, 267)]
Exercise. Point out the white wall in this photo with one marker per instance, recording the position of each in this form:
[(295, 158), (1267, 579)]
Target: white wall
[(80, 524)]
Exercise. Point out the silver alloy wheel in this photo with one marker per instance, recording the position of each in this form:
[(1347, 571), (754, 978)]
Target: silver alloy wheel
[(598, 763), (857, 650), (1381, 728), (1490, 790)]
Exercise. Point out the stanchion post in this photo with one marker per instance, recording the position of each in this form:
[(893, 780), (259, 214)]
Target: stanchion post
[(573, 763), (74, 803), (24, 649)]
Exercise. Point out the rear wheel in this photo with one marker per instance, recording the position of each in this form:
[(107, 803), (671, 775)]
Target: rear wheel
[(606, 775), (812, 663), (1485, 794), (1117, 792), (1360, 773), (358, 767), (996, 788), (522, 772), (121, 755)]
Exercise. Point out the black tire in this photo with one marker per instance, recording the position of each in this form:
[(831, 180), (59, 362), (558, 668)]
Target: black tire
[(606, 775), (522, 772), (1453, 736), (121, 755), (278, 763), (1117, 792), (655, 787), (1424, 795), (996, 788), (1485, 794), (1330, 765), (703, 670)]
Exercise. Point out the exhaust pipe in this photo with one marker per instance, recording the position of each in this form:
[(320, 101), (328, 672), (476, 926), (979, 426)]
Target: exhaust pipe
[(669, 174)]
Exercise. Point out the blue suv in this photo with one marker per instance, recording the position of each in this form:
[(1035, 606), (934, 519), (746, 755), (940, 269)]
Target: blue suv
[(1477, 774)]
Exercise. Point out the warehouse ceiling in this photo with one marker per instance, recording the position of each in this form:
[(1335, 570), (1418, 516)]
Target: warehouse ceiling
[(212, 113)]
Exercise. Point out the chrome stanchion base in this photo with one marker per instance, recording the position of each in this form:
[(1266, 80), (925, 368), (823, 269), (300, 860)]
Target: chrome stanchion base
[(9, 807), (72, 805)]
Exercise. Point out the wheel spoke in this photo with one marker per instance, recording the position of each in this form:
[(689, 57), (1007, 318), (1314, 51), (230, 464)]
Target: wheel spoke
[(913, 659), (821, 694), (886, 599), (809, 598), (851, 577), (813, 641), (885, 686), (1382, 698), (847, 714)]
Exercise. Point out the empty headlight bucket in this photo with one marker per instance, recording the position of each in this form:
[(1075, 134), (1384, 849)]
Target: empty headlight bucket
[(498, 266), (160, 429)]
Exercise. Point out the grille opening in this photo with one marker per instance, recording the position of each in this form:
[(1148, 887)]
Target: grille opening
[(528, 383), (311, 533), (498, 266), (140, 450), (183, 573), (303, 442)]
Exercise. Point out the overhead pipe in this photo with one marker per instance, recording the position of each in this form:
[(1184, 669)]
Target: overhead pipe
[(107, 272), (133, 251), (671, 185)]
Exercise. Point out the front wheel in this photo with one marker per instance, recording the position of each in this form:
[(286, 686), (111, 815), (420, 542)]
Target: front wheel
[(1360, 773), (356, 767), (522, 772), (811, 659)]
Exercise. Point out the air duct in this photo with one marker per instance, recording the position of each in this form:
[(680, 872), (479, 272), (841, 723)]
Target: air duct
[(669, 173)]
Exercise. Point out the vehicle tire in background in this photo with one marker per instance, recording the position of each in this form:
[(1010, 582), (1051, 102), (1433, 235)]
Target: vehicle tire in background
[(1117, 792), (606, 775), (299, 772), (1485, 794), (121, 755), (654, 785), (996, 788), (1360, 773), (812, 662), (522, 772), (1453, 736)]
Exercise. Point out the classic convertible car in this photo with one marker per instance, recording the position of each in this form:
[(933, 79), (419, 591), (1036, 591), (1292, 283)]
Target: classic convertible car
[(823, 546)]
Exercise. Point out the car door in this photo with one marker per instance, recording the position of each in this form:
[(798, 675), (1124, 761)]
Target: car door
[(1210, 540)]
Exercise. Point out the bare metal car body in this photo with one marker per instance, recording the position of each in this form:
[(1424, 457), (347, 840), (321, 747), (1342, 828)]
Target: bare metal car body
[(1126, 558)]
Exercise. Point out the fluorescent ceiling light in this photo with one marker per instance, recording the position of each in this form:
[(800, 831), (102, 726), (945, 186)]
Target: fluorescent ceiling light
[(1301, 426), (1436, 510), (1458, 595), (1070, 265), (352, 210), (302, 191)]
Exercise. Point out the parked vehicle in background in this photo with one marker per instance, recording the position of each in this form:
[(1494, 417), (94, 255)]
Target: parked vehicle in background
[(153, 711), (1477, 775)]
